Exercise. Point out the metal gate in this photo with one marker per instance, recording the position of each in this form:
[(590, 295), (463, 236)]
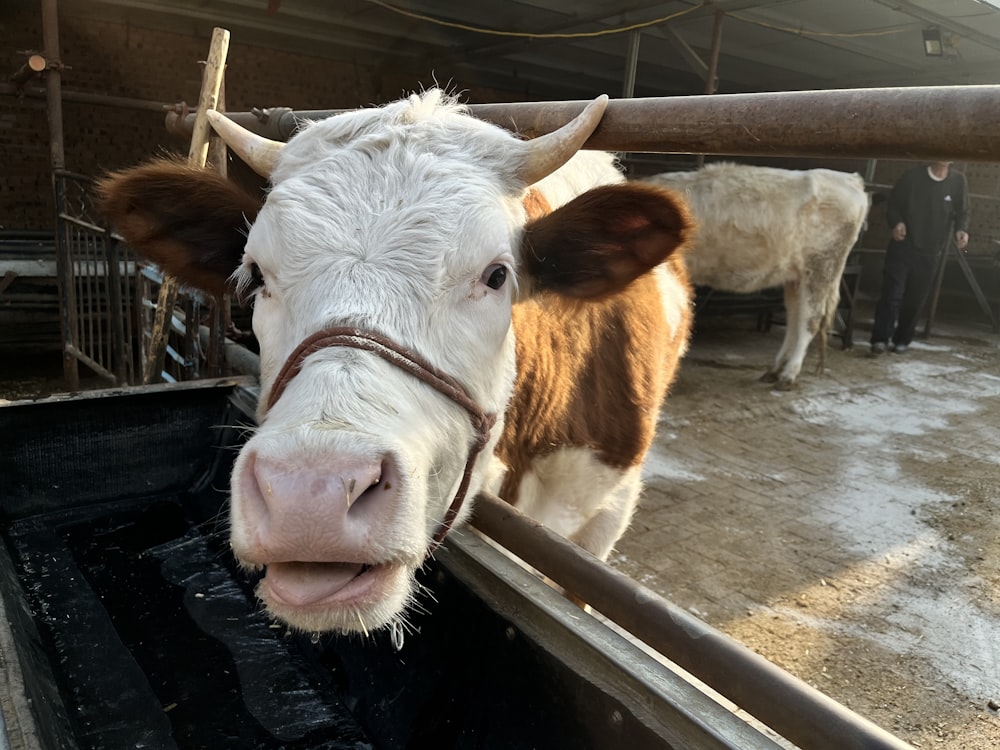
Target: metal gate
[(94, 289), (108, 302)]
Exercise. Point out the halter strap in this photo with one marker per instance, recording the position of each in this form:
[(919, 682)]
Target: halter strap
[(415, 365)]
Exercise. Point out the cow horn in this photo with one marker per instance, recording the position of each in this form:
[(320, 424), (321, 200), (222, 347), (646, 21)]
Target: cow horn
[(544, 155), (257, 151)]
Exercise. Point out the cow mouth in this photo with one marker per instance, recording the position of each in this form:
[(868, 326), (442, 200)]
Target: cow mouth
[(311, 585), (316, 597)]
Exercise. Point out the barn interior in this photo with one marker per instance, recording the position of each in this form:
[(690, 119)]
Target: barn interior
[(91, 84), (120, 65)]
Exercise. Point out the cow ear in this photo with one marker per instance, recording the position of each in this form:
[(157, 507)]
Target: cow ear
[(600, 242), (191, 222)]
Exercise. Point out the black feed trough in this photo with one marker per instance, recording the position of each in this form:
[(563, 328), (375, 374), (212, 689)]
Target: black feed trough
[(126, 625)]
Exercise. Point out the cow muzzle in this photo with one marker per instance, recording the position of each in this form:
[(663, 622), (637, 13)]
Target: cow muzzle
[(412, 363)]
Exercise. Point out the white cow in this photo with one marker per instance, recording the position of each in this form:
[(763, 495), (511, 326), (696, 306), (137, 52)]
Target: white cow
[(428, 328), (760, 227)]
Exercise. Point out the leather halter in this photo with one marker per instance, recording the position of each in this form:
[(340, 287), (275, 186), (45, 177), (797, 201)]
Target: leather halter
[(415, 365)]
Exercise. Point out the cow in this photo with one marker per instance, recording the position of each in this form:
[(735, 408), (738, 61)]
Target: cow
[(441, 308), (762, 227)]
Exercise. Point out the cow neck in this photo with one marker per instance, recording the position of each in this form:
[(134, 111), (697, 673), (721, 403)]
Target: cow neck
[(415, 365)]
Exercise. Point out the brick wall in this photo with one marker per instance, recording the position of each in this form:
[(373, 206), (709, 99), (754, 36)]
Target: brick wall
[(129, 61)]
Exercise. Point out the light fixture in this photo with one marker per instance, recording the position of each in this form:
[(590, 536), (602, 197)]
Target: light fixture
[(932, 43)]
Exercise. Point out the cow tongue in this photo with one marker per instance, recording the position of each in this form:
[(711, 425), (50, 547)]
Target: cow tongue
[(300, 584)]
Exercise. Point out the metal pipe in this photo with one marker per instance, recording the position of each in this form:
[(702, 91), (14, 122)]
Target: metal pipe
[(712, 76), (949, 123), (87, 97), (631, 63), (952, 123), (57, 160), (797, 711)]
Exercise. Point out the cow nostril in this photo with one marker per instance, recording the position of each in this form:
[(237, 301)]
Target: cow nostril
[(360, 497), (357, 495)]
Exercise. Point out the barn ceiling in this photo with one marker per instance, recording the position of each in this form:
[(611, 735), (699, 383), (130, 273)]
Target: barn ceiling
[(571, 49)]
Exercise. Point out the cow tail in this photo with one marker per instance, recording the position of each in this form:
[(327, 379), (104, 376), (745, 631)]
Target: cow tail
[(824, 330), (825, 326)]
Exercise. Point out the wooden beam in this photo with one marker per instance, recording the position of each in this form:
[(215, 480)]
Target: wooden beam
[(215, 68)]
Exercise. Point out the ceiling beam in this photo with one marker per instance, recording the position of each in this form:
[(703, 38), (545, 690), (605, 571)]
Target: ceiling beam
[(689, 56)]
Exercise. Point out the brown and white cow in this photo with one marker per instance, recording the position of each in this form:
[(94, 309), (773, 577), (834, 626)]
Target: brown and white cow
[(404, 300), (760, 227)]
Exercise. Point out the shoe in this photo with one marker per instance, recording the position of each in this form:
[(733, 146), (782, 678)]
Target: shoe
[(879, 347), (900, 348)]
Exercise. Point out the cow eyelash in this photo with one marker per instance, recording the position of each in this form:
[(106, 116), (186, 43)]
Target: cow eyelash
[(249, 281), (256, 277)]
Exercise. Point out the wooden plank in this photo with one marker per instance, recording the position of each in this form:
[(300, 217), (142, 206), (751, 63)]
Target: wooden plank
[(215, 68)]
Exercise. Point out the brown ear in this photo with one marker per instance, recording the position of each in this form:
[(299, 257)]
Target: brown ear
[(191, 222), (600, 242)]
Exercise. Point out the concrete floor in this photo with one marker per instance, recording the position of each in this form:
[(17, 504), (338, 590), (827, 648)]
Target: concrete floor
[(846, 530)]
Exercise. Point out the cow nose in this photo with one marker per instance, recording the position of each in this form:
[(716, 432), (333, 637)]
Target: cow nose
[(338, 483), (322, 510)]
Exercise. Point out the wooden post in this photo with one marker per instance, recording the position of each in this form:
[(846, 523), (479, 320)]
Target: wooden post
[(211, 82), (219, 323)]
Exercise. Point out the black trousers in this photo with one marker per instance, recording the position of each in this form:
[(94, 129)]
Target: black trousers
[(907, 279)]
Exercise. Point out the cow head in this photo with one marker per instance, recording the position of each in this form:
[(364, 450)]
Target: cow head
[(405, 223)]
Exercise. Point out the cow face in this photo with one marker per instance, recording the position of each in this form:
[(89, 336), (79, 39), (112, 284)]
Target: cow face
[(404, 222)]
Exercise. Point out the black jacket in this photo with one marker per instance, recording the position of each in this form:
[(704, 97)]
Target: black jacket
[(928, 207)]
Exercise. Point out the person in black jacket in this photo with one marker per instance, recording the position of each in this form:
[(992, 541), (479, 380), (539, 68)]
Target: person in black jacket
[(924, 205)]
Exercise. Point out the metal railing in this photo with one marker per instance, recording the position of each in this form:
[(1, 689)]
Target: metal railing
[(95, 294), (108, 302)]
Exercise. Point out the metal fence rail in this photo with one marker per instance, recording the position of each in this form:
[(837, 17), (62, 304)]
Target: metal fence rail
[(954, 123), (108, 302), (95, 292)]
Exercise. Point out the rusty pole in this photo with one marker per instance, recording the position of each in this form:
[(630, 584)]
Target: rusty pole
[(948, 123), (57, 160)]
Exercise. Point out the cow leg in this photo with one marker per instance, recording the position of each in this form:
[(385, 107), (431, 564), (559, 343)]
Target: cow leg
[(600, 534), (793, 348), (572, 493)]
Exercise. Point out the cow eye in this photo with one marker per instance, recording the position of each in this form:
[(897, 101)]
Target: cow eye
[(495, 276), (256, 277)]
